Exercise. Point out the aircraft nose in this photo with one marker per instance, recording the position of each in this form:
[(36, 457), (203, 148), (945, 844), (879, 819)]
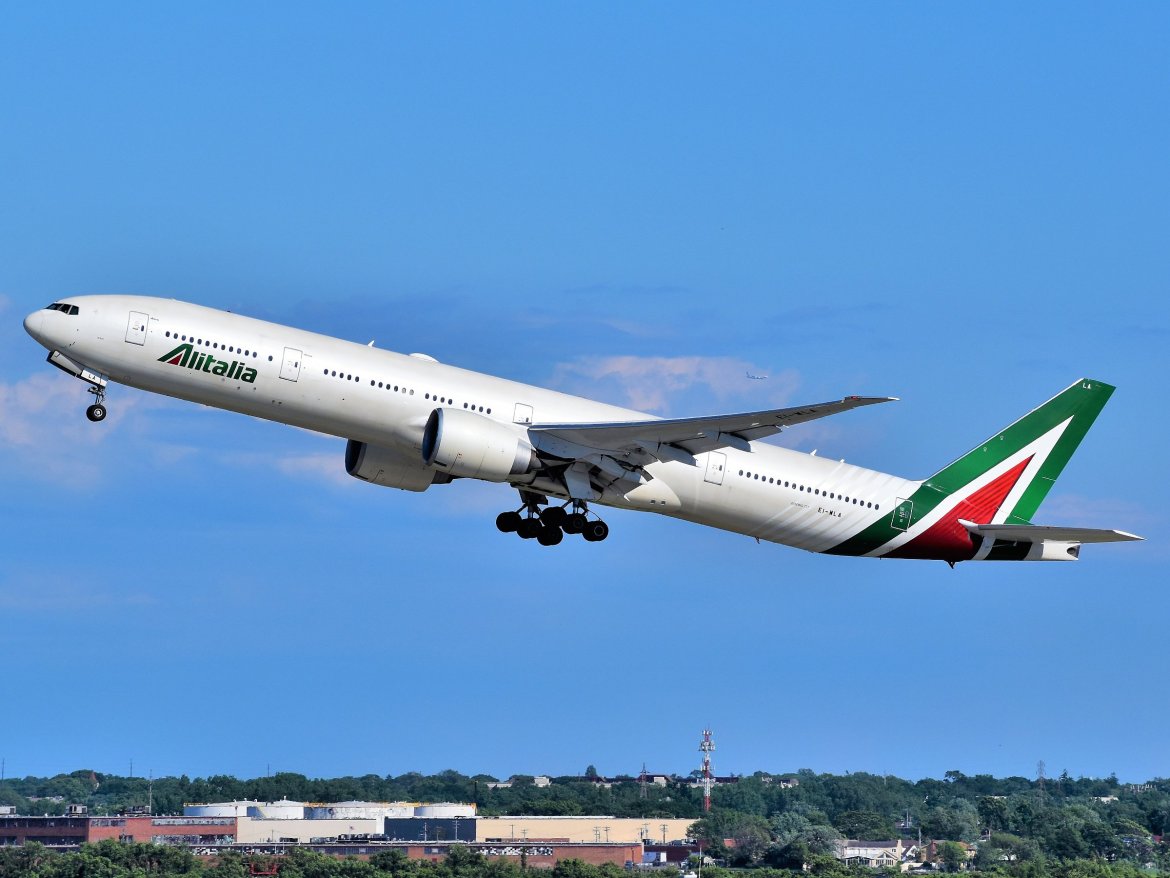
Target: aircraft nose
[(32, 324)]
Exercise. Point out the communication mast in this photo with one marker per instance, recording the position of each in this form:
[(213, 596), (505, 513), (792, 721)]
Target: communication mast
[(705, 747)]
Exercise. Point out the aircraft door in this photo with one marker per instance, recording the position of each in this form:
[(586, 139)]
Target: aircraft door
[(290, 368), (716, 464), (136, 327), (523, 414)]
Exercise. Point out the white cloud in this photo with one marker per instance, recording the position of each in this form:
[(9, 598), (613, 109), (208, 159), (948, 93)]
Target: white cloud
[(56, 592), (44, 429), (469, 498), (320, 466), (44, 432), (326, 467), (32, 409), (654, 383)]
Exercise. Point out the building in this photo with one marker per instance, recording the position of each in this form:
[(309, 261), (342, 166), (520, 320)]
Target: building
[(53, 831), (261, 830), (541, 855), (364, 828), (540, 781), (73, 831), (582, 829), (876, 854)]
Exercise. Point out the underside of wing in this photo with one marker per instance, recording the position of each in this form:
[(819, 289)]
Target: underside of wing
[(662, 439)]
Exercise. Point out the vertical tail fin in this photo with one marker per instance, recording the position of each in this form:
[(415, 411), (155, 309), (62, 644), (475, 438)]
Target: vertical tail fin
[(1014, 470), (1000, 482)]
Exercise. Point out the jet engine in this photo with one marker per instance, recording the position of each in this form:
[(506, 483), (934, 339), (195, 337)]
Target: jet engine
[(463, 443), (388, 467)]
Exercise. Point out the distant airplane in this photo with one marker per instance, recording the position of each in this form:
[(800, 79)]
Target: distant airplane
[(412, 422), (756, 377)]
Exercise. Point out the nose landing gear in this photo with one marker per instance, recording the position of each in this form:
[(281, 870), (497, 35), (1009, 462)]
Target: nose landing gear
[(97, 411), (549, 526)]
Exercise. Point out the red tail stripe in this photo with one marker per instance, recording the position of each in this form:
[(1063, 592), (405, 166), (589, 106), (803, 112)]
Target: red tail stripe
[(948, 540)]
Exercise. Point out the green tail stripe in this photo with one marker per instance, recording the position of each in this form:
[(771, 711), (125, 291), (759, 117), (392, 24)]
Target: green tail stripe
[(1086, 399), (1081, 401)]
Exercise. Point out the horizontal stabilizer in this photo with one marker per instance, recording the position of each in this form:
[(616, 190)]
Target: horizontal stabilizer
[(1035, 533)]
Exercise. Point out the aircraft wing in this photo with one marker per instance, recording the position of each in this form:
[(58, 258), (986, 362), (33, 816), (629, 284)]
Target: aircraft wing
[(1034, 533), (656, 438)]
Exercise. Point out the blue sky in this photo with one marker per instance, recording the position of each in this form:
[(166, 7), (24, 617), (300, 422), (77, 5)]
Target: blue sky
[(964, 207)]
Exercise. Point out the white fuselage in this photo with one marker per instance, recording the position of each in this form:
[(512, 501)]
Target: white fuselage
[(362, 393)]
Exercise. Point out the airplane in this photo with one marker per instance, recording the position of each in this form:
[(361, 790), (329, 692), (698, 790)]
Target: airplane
[(411, 422)]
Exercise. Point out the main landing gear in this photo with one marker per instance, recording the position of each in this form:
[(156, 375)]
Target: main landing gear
[(97, 411), (549, 526)]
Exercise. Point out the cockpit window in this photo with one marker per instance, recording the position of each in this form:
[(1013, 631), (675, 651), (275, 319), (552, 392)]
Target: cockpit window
[(71, 310)]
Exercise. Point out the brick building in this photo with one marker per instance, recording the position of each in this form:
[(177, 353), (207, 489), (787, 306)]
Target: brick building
[(72, 831)]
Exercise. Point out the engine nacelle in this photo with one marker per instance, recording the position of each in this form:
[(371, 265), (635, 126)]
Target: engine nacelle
[(463, 443), (388, 467)]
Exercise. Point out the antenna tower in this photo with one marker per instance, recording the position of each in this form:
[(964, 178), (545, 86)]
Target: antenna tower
[(705, 747)]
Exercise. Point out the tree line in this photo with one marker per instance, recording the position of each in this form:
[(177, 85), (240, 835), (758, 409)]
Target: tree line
[(111, 859), (757, 822)]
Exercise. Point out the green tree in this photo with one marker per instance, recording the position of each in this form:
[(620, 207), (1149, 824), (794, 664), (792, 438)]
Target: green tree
[(793, 855), (993, 812), (825, 866), (573, 868), (865, 824), (951, 855), (957, 821), (393, 862), (462, 861), (229, 864)]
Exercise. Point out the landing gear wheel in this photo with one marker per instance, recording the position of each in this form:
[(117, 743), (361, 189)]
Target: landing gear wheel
[(508, 522), (550, 536), (574, 523), (96, 412), (596, 531), (554, 516), (529, 528)]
